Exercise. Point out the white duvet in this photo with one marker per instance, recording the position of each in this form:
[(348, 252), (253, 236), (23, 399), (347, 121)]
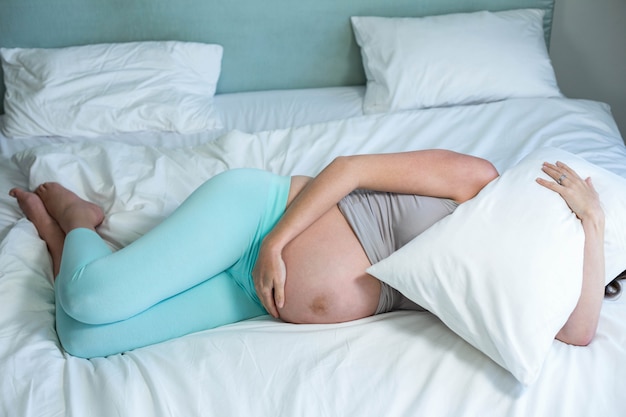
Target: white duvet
[(396, 364)]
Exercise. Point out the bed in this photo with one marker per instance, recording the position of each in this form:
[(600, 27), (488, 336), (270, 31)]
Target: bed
[(288, 92)]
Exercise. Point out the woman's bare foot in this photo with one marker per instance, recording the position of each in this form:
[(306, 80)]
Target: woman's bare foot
[(69, 210), (48, 229)]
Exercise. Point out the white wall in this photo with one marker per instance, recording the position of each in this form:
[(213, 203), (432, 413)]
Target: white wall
[(588, 51)]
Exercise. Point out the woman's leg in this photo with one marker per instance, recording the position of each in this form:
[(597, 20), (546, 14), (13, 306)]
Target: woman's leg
[(48, 228), (188, 312), (206, 235), (170, 281)]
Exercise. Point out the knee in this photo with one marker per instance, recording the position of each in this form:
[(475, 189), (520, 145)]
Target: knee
[(75, 337), (77, 306), (79, 302), (82, 340), (76, 345)]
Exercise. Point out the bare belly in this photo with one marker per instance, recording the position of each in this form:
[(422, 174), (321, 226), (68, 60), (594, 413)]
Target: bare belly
[(326, 278)]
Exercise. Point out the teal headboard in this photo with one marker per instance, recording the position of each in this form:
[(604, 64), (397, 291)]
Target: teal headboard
[(268, 44)]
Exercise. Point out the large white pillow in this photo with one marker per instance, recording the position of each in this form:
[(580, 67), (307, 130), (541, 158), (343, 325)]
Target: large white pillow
[(454, 59), (504, 271), (110, 88)]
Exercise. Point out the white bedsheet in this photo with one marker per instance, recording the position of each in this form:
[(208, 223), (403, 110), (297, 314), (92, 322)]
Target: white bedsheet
[(395, 364)]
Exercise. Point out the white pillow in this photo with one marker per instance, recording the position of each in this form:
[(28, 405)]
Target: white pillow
[(454, 59), (109, 88), (504, 271)]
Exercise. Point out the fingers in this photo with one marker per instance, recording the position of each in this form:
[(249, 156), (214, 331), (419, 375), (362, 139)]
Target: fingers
[(548, 184), (269, 276), (267, 299), (579, 194), (270, 293), (279, 296), (570, 174), (559, 172), (553, 172), (278, 299)]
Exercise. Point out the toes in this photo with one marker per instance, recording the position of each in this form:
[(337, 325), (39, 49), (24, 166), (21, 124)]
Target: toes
[(41, 190), (47, 187), (18, 193)]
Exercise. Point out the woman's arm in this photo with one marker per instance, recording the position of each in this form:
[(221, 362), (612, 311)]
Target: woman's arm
[(437, 173), (583, 199)]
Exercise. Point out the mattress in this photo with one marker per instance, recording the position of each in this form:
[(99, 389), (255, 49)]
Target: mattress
[(393, 364)]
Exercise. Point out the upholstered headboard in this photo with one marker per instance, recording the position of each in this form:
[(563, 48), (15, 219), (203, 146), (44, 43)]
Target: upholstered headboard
[(268, 44)]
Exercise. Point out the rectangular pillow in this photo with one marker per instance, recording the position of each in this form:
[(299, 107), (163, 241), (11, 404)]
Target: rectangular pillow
[(504, 271), (110, 88), (454, 59)]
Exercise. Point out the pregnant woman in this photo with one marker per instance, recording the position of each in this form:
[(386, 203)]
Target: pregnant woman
[(310, 239)]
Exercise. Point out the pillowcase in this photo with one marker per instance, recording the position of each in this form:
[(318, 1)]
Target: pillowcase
[(447, 60), (110, 88), (504, 271)]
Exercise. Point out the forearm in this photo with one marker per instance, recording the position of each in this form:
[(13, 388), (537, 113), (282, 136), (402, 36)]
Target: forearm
[(322, 193), (581, 326), (436, 173)]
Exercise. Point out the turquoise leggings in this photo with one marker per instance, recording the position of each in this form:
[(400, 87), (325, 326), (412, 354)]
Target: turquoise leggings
[(192, 272)]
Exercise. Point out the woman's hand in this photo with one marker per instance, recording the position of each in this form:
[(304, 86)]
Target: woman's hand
[(269, 276), (579, 194)]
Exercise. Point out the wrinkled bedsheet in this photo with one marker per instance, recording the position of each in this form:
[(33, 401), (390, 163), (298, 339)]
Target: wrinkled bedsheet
[(395, 364)]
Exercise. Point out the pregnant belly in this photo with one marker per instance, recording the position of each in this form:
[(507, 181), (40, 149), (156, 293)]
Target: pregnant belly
[(326, 278)]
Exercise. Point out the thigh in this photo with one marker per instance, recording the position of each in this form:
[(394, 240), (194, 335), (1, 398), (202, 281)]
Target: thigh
[(210, 304)]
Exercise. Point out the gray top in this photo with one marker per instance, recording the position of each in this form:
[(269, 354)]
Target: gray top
[(384, 222)]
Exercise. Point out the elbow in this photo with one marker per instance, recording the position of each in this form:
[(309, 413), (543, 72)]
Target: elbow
[(346, 168), (577, 337), (487, 173), (341, 162), (585, 341), (481, 173)]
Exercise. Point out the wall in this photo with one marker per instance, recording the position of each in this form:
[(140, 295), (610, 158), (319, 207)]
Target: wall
[(588, 51)]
